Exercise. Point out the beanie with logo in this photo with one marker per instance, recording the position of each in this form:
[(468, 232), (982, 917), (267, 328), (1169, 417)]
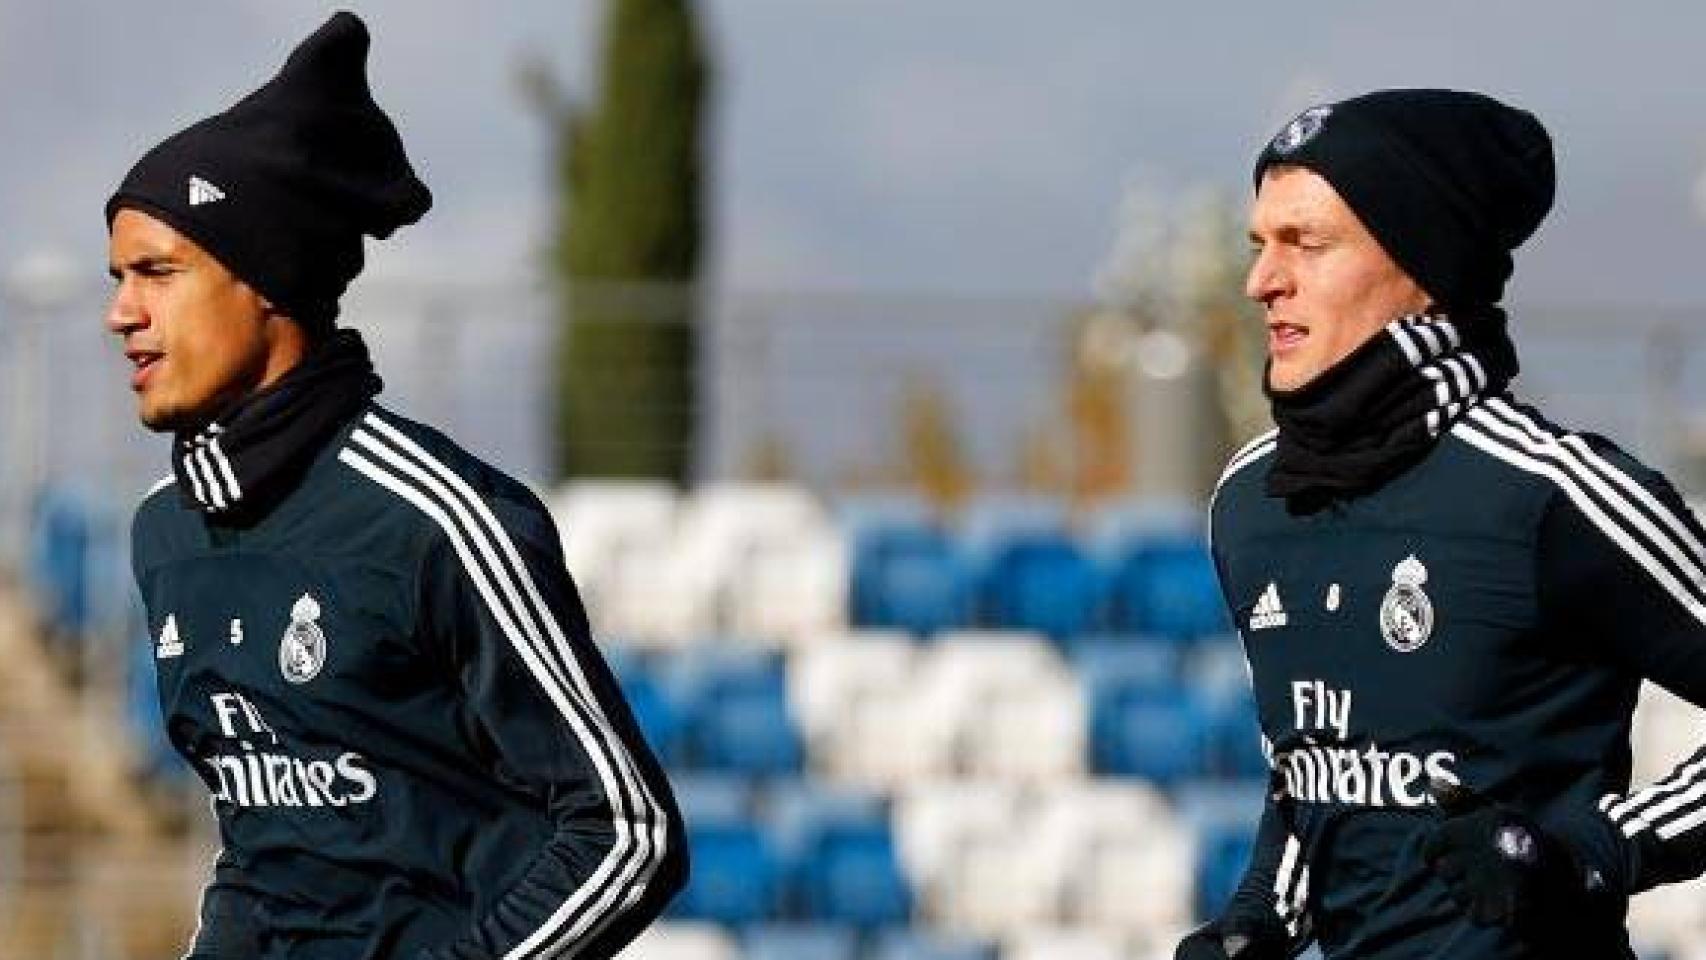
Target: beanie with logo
[(1449, 182), (282, 187)]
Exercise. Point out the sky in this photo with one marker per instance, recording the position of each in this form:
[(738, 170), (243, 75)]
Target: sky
[(973, 148)]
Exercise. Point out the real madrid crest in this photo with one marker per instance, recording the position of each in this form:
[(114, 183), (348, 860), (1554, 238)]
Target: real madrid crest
[(1301, 130), (302, 652), (1406, 614)]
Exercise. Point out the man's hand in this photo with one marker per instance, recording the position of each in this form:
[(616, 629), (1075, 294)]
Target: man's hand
[(1212, 941), (1498, 864)]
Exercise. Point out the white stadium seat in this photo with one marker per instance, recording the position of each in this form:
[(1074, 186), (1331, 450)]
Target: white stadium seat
[(936, 822), (718, 574), (835, 670), (720, 523), (598, 522), (682, 940), (1667, 730), (993, 889), (655, 596), (886, 742), (1073, 854), (1035, 735), (1065, 943), (966, 670), (1162, 864), (790, 588)]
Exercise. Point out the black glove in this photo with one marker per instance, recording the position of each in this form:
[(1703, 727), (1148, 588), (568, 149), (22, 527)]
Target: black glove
[(1498, 864), (1212, 941)]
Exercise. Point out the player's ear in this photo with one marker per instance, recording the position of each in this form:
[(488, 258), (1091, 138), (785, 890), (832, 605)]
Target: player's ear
[(270, 310)]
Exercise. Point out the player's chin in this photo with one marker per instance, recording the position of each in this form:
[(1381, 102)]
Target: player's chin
[(160, 415), (1284, 377)]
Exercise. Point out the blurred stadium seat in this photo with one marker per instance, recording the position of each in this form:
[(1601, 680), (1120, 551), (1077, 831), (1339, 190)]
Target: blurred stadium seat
[(1115, 525), (683, 940), (990, 520), (1222, 815), (1041, 582), (827, 676), (936, 822), (1167, 587), (659, 717), (901, 944), (1065, 943), (61, 539), (799, 941), (714, 798), (737, 877), (1161, 735), (598, 522), (850, 873), (790, 589), (964, 673), (1106, 660), (735, 713), (910, 578)]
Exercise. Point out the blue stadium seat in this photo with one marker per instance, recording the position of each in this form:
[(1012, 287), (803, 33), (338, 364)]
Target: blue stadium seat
[(1170, 589), (735, 878), (61, 540), (713, 798), (910, 578), (1223, 853), (624, 660), (989, 520), (1108, 660), (799, 941), (796, 812), (836, 848), (1223, 816), (852, 874), (659, 718), (860, 513), (735, 713), (916, 944), (1158, 734), (1235, 740), (1207, 802), (1121, 525), (1041, 582)]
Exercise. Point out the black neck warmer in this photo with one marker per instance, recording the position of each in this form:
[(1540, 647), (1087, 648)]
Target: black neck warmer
[(240, 463), (1379, 410)]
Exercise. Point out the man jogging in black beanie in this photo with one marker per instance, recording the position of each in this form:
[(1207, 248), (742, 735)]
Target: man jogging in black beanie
[(1448, 603), (367, 644)]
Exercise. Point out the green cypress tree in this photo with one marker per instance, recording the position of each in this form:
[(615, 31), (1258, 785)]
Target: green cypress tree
[(626, 250)]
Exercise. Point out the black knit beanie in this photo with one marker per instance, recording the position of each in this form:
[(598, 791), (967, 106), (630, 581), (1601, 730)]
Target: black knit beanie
[(281, 187), (1448, 182)]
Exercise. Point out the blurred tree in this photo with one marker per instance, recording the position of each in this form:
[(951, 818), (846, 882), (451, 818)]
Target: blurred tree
[(933, 462), (1212, 259), (1038, 465), (1097, 388), (627, 245), (768, 460), (1177, 266)]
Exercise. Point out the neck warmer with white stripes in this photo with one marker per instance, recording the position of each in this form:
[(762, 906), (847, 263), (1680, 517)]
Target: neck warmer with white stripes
[(240, 463), (1379, 410)]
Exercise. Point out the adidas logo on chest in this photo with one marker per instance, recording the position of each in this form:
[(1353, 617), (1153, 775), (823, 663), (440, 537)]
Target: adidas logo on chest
[(1268, 612)]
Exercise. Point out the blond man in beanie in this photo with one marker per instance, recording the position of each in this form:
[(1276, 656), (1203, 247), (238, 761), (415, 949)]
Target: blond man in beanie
[(1448, 603)]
